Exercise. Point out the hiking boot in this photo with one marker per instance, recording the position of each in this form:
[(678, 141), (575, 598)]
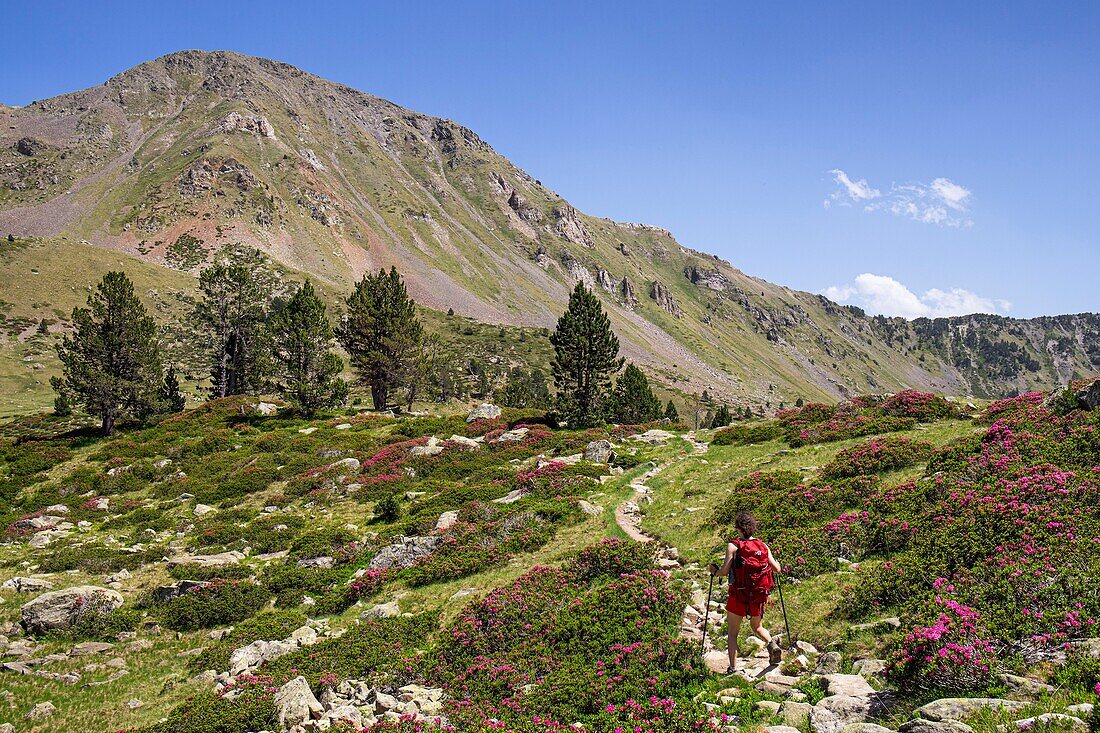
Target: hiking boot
[(775, 653)]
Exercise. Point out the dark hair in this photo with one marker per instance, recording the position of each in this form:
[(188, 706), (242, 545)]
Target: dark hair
[(746, 524)]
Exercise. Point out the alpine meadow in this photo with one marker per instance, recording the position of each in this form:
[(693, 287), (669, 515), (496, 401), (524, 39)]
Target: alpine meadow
[(319, 414)]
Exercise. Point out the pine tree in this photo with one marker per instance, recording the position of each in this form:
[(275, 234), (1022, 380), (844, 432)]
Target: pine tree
[(586, 356), (671, 413), (236, 298), (62, 402), (633, 402), (381, 334), (111, 360), (172, 399), (525, 389), (308, 370), (722, 417)]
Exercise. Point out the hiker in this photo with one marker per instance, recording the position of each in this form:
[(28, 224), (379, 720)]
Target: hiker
[(752, 564)]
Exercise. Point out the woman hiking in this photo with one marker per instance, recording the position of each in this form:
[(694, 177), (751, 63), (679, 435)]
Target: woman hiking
[(752, 563)]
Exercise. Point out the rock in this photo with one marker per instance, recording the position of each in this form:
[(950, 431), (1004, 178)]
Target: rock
[(133, 703), (345, 465), (599, 451), (781, 729), (60, 609), (653, 437), (869, 667), (248, 658), (806, 647), (296, 704), (921, 725), (1081, 710), (570, 227), (834, 713), (883, 624), (7, 728), (348, 715), (1055, 720), (1089, 395), (57, 509), (484, 411), (795, 713), (462, 440), (254, 124), (463, 593), (591, 509), (343, 426), (220, 559), (865, 728), (630, 296), (324, 561), (380, 611), (201, 509), (29, 146), (768, 706), (90, 647), (1024, 686), (308, 431), (41, 710), (847, 684), (384, 702), (446, 521), (961, 708), (266, 409), (663, 297), (513, 436), (404, 551), (26, 585), (165, 593), (828, 663)]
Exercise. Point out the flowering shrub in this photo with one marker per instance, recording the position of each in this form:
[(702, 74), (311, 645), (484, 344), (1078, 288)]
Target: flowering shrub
[(877, 455), (923, 406), (611, 558), (952, 653)]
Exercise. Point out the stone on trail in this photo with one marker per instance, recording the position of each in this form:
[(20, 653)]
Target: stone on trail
[(961, 708), (795, 713)]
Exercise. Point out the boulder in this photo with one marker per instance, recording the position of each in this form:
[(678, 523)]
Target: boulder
[(828, 663), (26, 585), (1089, 395), (220, 559), (484, 411), (865, 728), (345, 465), (462, 440), (512, 436), (380, 611), (60, 609), (41, 710), (599, 451), (591, 509), (961, 708), (921, 725), (201, 509), (90, 647), (248, 658), (869, 667), (266, 408), (165, 593), (653, 437), (446, 521), (1048, 720), (795, 713), (1024, 686), (404, 551), (295, 704), (324, 562)]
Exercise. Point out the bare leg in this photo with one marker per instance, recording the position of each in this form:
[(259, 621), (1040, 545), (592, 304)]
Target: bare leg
[(733, 629), (757, 628)]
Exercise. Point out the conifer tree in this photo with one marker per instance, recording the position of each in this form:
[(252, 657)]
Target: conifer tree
[(308, 371), (586, 356), (232, 314), (172, 399), (633, 401), (722, 417), (671, 413), (62, 402), (382, 334), (525, 389), (111, 360)]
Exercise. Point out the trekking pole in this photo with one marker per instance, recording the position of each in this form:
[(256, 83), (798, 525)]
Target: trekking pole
[(706, 614), (783, 605)]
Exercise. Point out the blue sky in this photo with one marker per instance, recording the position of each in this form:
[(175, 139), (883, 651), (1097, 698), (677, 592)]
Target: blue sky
[(914, 158)]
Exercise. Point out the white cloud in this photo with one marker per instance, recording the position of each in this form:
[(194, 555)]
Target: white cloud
[(885, 295), (941, 202)]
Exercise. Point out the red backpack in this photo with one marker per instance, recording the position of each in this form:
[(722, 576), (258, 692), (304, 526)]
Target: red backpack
[(751, 573)]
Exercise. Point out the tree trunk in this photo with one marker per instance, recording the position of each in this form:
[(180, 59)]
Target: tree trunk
[(108, 424), (379, 394)]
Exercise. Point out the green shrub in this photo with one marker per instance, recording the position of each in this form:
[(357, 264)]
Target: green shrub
[(220, 603), (209, 712), (748, 433), (321, 542), (388, 508)]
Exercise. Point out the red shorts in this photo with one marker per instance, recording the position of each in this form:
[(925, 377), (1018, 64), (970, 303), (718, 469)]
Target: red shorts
[(740, 605)]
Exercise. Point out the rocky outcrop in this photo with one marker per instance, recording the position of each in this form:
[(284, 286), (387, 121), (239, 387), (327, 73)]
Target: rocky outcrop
[(26, 585), (233, 557), (254, 124), (204, 175), (570, 227), (29, 147), (61, 609), (576, 270), (296, 704), (524, 209), (603, 277), (712, 279), (630, 297), (663, 297)]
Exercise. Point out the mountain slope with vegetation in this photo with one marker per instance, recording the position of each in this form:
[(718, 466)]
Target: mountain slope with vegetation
[(167, 163)]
